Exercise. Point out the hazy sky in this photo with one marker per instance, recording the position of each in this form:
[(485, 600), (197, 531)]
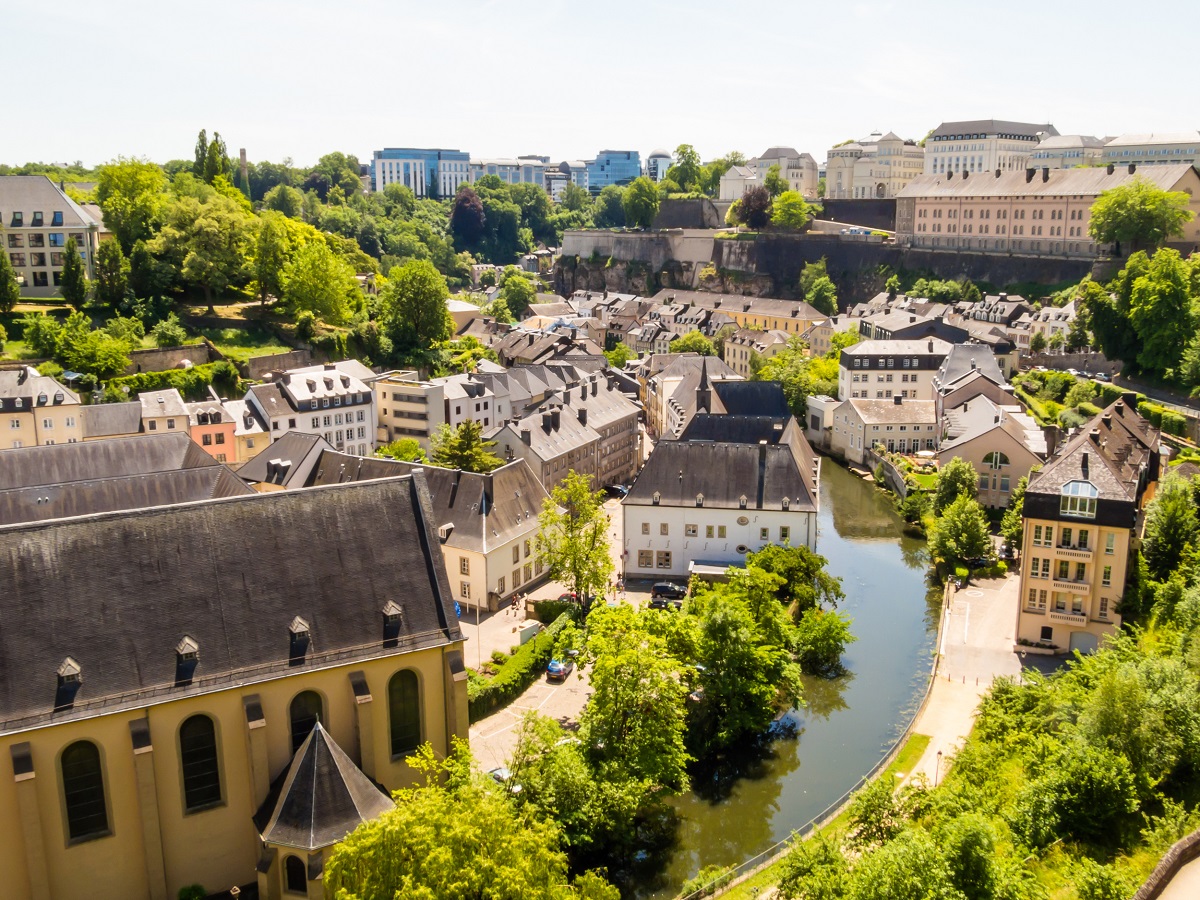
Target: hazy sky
[(566, 79)]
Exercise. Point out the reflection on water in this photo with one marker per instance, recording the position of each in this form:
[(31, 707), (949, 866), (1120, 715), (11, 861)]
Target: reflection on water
[(748, 801)]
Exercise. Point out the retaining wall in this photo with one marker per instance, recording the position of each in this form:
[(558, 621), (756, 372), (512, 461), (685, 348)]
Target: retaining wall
[(1181, 853)]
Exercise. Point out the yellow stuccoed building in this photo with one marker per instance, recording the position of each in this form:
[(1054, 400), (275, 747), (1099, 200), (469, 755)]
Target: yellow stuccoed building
[(215, 693)]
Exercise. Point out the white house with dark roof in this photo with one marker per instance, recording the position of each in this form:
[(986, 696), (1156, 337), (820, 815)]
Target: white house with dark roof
[(331, 400), (37, 219), (35, 410), (880, 370), (710, 501), (898, 425)]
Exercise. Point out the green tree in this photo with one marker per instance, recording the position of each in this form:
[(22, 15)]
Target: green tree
[(1012, 525), (754, 208), (518, 292), (633, 725), (892, 286), (413, 305), (112, 275), (724, 333), (463, 448), (130, 194), (10, 291), (693, 342), (874, 815), (320, 282), (169, 332), (814, 869), (1171, 528), (1037, 343), (148, 276), (640, 203), (1096, 881), (686, 170), (821, 638), (498, 310), (775, 183), (807, 583), (127, 329), (574, 535), (216, 160), (431, 845), (201, 153), (574, 197), (272, 249), (957, 478), (969, 847), (619, 355), (91, 352), (811, 274), (1163, 313), (823, 296), (285, 199), (1138, 213), (468, 223), (74, 278), (608, 210), (790, 211), (209, 242), (909, 866), (961, 533), (406, 449), (41, 333)]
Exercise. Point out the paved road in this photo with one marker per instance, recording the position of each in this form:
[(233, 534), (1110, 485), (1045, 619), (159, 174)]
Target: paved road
[(1185, 885), (977, 641)]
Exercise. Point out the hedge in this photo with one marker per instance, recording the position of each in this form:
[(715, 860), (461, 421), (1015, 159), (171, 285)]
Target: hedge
[(191, 383), (550, 610), (518, 672)]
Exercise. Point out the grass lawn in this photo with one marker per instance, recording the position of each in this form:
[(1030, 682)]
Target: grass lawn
[(17, 350), (909, 755), (245, 342), (925, 482)]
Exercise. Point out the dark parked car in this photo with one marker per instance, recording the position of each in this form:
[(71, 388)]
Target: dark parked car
[(668, 589), (618, 491), (665, 603)]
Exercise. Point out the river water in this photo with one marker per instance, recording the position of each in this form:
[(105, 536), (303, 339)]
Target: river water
[(851, 722)]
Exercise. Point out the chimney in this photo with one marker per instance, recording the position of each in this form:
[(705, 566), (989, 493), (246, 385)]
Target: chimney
[(594, 388), (1132, 168), (931, 345), (556, 418), (582, 416), (912, 319), (546, 422), (997, 173), (1045, 174), (526, 437), (531, 338), (1029, 175), (897, 400), (965, 173), (1111, 168)]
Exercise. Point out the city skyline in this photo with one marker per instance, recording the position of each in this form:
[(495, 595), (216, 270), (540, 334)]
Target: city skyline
[(261, 79)]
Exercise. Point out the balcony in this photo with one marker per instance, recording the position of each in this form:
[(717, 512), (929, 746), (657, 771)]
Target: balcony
[(1074, 553), (1068, 618), (1081, 588)]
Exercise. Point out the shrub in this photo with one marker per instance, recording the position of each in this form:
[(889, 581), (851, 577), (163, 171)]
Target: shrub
[(1088, 409), (1069, 418), (499, 657), (192, 892), (191, 383), (1174, 423), (707, 881), (962, 573), (1151, 411), (549, 610), (516, 674)]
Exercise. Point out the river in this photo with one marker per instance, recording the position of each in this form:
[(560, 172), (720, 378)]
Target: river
[(849, 723)]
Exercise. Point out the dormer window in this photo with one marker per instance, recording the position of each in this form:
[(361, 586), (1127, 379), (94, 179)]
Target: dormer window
[(187, 657), (786, 503), (656, 498), (393, 619), (299, 637), (70, 680), (699, 499), (1078, 500), (41, 400), (742, 502)]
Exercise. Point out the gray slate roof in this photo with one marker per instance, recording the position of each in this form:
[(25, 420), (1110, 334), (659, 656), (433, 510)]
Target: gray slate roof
[(324, 797), (29, 193), (102, 420), (59, 464), (25, 383), (991, 127), (117, 593), (1088, 182)]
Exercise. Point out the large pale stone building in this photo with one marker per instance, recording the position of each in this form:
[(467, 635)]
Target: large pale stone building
[(37, 219), (876, 167), (982, 145), (1036, 211), (1154, 149), (1067, 151)]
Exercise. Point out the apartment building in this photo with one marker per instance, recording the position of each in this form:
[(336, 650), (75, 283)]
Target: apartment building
[(1083, 513), (764, 313), (1038, 211), (332, 400), (36, 410), (433, 173), (1163, 149), (1067, 151), (899, 425), (877, 167), (880, 370), (982, 145), (746, 346), (37, 219), (522, 170)]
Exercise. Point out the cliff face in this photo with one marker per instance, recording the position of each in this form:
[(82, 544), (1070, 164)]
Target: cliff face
[(769, 265)]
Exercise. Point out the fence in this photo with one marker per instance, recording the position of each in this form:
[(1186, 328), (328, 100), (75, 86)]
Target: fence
[(774, 853)]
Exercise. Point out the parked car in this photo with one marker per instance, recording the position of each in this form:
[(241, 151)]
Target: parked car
[(560, 669), (665, 603), (619, 491), (668, 589)]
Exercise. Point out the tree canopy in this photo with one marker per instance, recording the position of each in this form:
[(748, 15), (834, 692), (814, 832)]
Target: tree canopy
[(640, 203), (790, 211), (693, 342), (1138, 213), (463, 448), (413, 305), (574, 535)]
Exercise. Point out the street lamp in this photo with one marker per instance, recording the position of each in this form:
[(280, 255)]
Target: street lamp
[(937, 769)]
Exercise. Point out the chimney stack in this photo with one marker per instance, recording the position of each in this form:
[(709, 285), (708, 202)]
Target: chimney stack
[(931, 345), (546, 422), (1029, 175), (582, 416), (556, 418), (997, 173), (526, 436), (1045, 174), (1111, 168), (1132, 168)]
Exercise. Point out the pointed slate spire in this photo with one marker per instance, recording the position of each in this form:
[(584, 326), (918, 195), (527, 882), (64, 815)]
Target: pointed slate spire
[(324, 798), (703, 392)]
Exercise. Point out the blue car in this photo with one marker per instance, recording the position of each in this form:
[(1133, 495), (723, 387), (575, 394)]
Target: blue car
[(559, 669)]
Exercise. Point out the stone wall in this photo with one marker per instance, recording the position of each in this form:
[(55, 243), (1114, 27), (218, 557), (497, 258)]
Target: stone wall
[(879, 214), (161, 359), (1181, 853), (1084, 362), (257, 366), (692, 213)]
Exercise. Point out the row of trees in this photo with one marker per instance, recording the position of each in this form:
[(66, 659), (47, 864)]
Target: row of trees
[(759, 207)]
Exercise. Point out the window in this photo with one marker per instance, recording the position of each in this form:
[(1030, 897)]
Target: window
[(83, 791), (206, 440), (1065, 538), (1004, 484), (1064, 570), (1032, 598), (221, 438), (1104, 607), (663, 559), (18, 259), (527, 547), (663, 528), (501, 586), (56, 239), (1079, 499), (764, 534), (516, 577), (1083, 538), (404, 712), (1106, 580), (198, 758), (690, 531), (995, 460), (1080, 571), (464, 590), (645, 559), (464, 566), (785, 534), (720, 531), (1110, 541), (305, 711), (295, 876), (645, 528), (1046, 568)]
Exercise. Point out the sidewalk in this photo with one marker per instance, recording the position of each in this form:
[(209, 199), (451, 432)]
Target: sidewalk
[(977, 641)]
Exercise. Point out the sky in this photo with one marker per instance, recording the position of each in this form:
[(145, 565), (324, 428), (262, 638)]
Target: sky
[(299, 79)]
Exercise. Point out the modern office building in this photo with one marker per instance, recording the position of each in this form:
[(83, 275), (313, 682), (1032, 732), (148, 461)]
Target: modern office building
[(433, 173), (522, 170), (613, 167)]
